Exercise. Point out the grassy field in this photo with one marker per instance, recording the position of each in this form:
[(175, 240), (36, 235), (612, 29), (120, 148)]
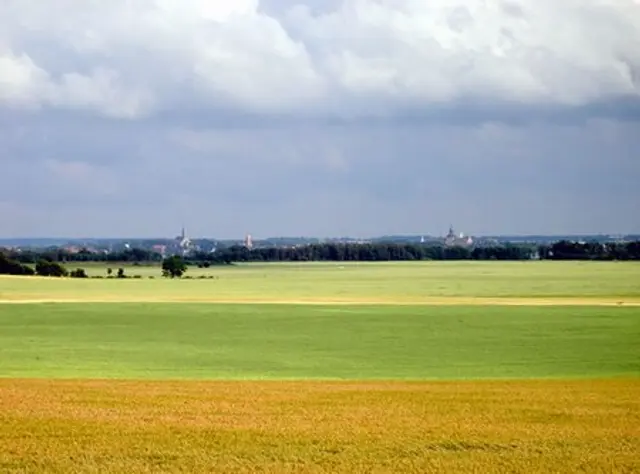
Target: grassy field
[(236, 341), (414, 282), (403, 367)]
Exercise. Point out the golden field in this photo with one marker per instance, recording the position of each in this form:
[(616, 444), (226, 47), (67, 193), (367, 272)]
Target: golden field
[(284, 427)]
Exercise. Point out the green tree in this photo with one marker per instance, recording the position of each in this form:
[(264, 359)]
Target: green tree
[(121, 273), (173, 267), (12, 267), (50, 269)]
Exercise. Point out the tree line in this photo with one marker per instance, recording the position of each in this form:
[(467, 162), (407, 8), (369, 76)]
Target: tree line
[(20, 262), (562, 250), (362, 253), (84, 255)]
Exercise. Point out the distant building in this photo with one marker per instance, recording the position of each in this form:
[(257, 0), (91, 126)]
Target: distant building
[(183, 243), (454, 240), (248, 241)]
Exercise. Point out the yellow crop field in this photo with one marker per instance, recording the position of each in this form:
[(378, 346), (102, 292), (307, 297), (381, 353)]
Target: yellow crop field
[(286, 427)]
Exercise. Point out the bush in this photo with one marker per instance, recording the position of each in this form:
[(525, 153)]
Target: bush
[(78, 273), (50, 269), (121, 273)]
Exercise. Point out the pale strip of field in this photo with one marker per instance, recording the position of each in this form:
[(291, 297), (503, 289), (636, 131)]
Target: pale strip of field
[(445, 301)]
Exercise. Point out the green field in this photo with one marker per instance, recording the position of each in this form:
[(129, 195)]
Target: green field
[(201, 341), (382, 367)]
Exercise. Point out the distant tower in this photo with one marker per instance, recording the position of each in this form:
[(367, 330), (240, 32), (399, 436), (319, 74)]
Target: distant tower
[(248, 241), (450, 239)]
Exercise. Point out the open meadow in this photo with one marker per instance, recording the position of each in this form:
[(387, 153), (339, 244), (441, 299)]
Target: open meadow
[(381, 367), (519, 283)]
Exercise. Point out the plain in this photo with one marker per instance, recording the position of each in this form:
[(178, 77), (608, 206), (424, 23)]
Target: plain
[(236, 341), (324, 368), (390, 283)]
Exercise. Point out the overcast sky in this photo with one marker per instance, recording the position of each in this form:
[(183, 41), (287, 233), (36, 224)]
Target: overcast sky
[(319, 117)]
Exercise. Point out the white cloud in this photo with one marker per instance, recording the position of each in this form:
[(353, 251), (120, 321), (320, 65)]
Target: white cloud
[(127, 59), (23, 83)]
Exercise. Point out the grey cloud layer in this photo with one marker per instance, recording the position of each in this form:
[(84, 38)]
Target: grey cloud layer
[(318, 117), (354, 180)]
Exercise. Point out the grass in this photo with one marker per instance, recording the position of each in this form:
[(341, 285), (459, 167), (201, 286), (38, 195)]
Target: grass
[(285, 427), (310, 342), (391, 282)]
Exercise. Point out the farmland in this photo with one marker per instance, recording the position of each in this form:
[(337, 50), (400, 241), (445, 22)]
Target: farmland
[(403, 367), (392, 283), (235, 341)]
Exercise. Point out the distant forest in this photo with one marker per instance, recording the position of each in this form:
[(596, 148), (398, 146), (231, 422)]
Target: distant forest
[(349, 252)]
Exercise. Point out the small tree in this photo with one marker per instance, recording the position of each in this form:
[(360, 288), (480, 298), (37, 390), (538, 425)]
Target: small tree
[(173, 267), (121, 273), (109, 271)]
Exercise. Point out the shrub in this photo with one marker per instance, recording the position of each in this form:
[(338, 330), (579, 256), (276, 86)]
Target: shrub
[(50, 269), (78, 273), (121, 273)]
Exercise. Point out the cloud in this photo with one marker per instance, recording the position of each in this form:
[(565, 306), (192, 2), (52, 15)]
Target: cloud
[(319, 117), (348, 59)]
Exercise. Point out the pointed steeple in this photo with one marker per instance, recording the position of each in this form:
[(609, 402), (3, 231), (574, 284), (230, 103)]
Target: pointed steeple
[(451, 231)]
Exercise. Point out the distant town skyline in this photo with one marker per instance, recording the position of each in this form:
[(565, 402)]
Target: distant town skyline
[(185, 239)]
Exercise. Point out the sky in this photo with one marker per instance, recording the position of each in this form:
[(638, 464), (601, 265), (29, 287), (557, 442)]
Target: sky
[(131, 118)]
